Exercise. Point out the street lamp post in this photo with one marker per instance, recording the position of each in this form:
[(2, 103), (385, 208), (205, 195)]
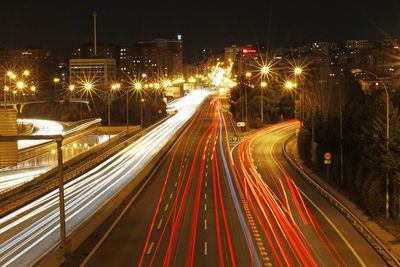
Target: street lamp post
[(297, 71), (263, 85), (264, 72), (141, 113), (113, 87), (354, 71), (55, 80), (248, 75)]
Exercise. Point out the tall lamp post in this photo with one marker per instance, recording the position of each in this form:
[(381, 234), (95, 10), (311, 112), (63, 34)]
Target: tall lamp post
[(115, 86), (55, 80), (297, 71), (264, 72), (355, 71), (248, 75), (263, 85)]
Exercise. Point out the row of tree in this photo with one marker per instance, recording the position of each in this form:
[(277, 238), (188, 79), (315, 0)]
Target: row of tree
[(332, 98)]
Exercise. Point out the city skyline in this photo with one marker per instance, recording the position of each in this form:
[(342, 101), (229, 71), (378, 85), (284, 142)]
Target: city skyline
[(203, 25)]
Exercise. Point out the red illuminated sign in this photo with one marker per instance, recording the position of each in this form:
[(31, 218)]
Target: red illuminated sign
[(248, 51)]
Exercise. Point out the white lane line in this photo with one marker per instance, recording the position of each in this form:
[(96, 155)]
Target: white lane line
[(205, 207), (206, 173), (176, 184), (205, 248), (170, 196), (205, 195), (166, 207), (205, 224), (205, 184), (159, 224), (206, 166), (334, 227), (149, 249)]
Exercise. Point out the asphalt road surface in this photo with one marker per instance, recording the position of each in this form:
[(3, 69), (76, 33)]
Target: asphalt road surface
[(201, 207)]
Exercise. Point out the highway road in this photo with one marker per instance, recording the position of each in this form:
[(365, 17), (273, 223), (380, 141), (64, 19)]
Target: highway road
[(189, 212), (200, 209), (294, 224), (30, 232)]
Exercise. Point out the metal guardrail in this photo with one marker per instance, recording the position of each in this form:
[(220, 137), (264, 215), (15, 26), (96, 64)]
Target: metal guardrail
[(371, 238)]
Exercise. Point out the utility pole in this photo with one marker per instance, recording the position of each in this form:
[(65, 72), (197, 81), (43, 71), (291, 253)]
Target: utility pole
[(94, 33)]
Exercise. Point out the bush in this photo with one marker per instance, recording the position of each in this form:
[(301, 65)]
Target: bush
[(374, 195), (304, 144)]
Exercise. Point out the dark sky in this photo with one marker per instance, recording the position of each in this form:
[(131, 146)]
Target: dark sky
[(203, 24)]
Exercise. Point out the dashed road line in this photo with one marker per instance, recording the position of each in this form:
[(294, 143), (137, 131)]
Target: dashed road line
[(150, 247), (205, 207), (205, 248), (166, 207), (170, 196), (205, 224), (159, 224)]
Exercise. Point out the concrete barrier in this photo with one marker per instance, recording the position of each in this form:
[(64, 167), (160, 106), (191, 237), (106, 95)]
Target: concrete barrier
[(56, 256)]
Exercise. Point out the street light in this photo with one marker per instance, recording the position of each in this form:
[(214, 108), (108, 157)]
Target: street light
[(113, 87), (355, 71), (265, 70), (6, 89), (141, 113), (55, 80), (263, 85), (26, 73)]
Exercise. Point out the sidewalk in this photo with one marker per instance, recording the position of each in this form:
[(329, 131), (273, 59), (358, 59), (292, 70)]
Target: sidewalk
[(387, 239)]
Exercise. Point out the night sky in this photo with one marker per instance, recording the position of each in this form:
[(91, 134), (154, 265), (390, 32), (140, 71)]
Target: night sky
[(203, 24)]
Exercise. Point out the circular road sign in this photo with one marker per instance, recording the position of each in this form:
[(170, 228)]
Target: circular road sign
[(327, 156)]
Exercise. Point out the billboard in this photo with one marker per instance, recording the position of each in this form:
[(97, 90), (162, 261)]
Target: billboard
[(8, 127)]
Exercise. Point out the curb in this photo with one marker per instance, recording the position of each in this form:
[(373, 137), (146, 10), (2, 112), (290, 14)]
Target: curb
[(371, 238)]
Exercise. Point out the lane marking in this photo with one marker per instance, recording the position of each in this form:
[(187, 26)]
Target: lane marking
[(205, 207), (205, 224), (205, 248), (205, 195), (170, 196), (334, 227), (166, 207), (206, 173), (159, 224), (149, 249), (176, 184), (206, 184)]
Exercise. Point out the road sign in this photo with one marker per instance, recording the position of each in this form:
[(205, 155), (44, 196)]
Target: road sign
[(240, 124), (327, 161), (327, 156)]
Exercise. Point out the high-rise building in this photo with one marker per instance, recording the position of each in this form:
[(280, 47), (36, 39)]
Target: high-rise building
[(98, 72)]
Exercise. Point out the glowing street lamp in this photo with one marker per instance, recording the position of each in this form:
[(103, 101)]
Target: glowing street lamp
[(88, 86), (20, 85), (71, 87), (289, 85), (33, 88), (265, 70), (26, 73), (298, 71)]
